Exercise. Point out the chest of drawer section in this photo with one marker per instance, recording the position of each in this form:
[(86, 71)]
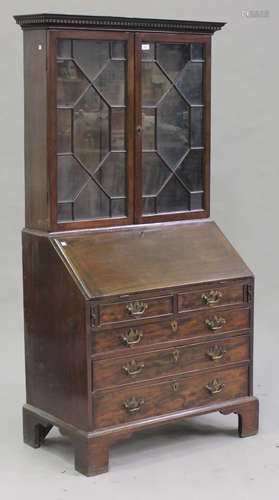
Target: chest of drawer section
[(143, 345)]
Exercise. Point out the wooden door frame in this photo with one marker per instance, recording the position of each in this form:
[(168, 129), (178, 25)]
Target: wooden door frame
[(53, 35), (171, 37)]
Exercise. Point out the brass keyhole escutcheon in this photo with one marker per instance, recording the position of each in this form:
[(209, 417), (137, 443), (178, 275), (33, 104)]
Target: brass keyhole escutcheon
[(175, 386), (174, 325), (175, 355)]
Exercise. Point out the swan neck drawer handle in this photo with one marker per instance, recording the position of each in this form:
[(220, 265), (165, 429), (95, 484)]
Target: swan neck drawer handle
[(212, 297)]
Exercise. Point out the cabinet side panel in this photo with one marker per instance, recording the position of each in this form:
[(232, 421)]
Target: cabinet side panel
[(35, 124), (55, 334)]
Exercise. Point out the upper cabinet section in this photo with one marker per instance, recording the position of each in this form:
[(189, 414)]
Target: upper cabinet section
[(117, 124)]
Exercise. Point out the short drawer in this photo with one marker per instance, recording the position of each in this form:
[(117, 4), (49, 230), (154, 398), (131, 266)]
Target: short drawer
[(199, 324), (134, 403), (213, 297), (168, 362), (135, 309)]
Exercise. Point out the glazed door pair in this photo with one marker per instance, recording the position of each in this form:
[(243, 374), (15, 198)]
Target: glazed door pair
[(130, 126)]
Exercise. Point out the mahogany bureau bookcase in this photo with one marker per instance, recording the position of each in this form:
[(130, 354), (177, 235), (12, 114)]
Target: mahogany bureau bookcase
[(138, 311)]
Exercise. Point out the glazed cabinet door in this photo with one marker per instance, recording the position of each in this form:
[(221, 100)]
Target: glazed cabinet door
[(91, 112), (172, 123)]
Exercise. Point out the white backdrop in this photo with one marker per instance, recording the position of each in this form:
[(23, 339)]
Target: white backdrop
[(202, 456)]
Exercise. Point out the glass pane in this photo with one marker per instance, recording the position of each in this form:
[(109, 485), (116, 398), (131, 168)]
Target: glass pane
[(154, 84), (173, 57), (148, 128), (111, 175), (191, 170), (64, 130), (70, 83), (197, 127), (173, 198), (173, 127), (118, 128), (148, 206), (172, 123), (197, 51), (154, 173), (147, 51), (196, 201), (70, 178), (190, 82), (91, 130), (118, 49), (91, 203), (91, 56), (64, 211), (63, 48), (111, 83), (118, 208)]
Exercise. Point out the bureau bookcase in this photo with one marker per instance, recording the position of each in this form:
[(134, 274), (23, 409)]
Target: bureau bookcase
[(138, 311)]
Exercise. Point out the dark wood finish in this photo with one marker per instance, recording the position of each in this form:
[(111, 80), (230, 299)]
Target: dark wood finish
[(52, 128), (121, 23), (112, 343), (194, 214), (34, 432), (136, 260), (35, 130), (126, 327), (165, 362), (192, 326), (55, 337), (162, 398), (248, 414), (119, 312), (230, 296)]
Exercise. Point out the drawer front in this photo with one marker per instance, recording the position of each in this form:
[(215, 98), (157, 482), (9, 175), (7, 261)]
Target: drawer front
[(212, 297), (169, 362), (190, 326), (135, 309), (134, 403)]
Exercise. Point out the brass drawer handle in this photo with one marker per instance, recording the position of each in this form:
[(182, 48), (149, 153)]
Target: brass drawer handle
[(215, 386), (216, 352), (212, 297), (215, 323), (133, 405), (132, 338), (133, 368), (175, 355), (136, 309)]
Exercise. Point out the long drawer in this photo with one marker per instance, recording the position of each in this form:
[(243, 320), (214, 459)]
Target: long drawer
[(134, 403), (167, 362), (194, 325)]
